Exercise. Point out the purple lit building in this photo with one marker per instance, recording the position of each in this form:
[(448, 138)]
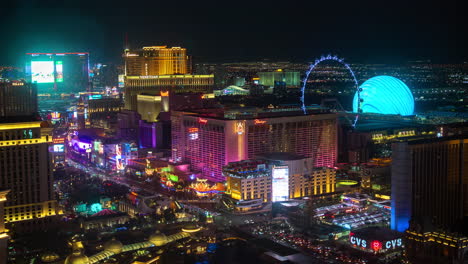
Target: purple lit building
[(208, 139)]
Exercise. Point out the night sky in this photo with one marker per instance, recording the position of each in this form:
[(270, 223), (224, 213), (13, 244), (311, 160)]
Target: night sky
[(223, 31)]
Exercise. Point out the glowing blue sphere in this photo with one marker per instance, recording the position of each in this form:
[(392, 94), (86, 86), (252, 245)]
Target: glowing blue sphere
[(385, 95)]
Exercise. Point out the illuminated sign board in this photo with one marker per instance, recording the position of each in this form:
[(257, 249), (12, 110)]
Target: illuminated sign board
[(240, 128), (280, 186), (42, 71), (59, 140), (202, 120), (193, 133), (375, 245), (58, 71), (59, 148), (259, 122), (95, 96)]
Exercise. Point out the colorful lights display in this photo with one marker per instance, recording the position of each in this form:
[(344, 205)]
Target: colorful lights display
[(384, 95), (375, 245), (203, 188)]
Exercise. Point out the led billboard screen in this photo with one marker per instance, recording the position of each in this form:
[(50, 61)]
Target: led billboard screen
[(59, 71), (59, 148), (42, 71), (280, 186)]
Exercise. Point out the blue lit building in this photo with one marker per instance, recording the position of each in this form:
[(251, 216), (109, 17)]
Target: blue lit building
[(428, 183), (385, 95)]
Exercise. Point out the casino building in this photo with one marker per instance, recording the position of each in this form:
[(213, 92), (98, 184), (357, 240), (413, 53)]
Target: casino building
[(17, 98), (25, 169), (208, 139), (151, 70), (275, 177)]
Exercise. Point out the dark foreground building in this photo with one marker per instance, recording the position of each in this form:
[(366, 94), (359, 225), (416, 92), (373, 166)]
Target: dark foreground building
[(429, 198)]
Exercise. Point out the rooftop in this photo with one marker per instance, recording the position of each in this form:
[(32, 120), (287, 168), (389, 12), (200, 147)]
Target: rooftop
[(281, 156), (377, 233), (254, 113), (369, 125)]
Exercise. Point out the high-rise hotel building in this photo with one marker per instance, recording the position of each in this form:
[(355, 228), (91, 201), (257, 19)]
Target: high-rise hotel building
[(429, 198), (208, 139), (25, 163), (17, 98), (25, 169), (156, 60), (151, 70), (429, 180)]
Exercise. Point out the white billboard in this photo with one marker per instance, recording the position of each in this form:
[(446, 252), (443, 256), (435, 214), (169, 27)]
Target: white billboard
[(280, 186)]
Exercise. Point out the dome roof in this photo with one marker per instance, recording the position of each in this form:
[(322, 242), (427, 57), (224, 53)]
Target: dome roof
[(191, 228), (158, 239), (385, 95), (113, 246), (77, 258)]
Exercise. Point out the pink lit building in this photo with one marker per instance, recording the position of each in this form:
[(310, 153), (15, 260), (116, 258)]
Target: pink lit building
[(208, 139)]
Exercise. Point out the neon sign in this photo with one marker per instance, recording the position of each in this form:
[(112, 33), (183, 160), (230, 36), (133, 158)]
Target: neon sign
[(393, 243), (259, 122), (202, 120), (375, 245), (358, 242)]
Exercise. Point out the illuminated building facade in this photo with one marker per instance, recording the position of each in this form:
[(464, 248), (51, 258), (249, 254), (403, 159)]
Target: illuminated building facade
[(25, 169), (3, 232), (275, 177), (429, 179), (17, 98), (66, 72), (156, 60), (98, 108), (290, 78), (149, 106), (151, 84), (296, 176), (160, 69), (424, 246), (249, 183), (208, 139)]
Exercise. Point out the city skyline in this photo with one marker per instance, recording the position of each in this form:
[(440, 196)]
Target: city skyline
[(371, 32), (233, 132)]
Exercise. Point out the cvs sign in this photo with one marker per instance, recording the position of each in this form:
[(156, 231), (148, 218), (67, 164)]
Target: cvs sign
[(358, 242), (393, 243)]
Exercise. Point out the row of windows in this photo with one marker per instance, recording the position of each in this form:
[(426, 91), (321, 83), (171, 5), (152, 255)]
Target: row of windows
[(19, 134)]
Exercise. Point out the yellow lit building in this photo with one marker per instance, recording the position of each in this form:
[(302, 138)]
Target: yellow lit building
[(156, 60), (304, 179), (3, 232), (151, 70), (25, 169), (135, 85), (248, 180), (276, 177)]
